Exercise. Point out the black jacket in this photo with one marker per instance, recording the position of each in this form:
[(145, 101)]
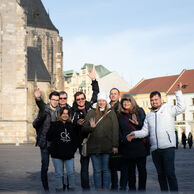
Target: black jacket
[(136, 148), (42, 125), (78, 114), (63, 140)]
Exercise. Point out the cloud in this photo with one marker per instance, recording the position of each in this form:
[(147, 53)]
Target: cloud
[(134, 53)]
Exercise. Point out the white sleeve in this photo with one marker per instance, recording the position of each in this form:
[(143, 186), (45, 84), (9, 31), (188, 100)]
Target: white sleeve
[(144, 131), (180, 106)]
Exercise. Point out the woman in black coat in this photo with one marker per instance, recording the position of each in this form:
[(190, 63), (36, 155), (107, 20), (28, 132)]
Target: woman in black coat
[(131, 118), (63, 146)]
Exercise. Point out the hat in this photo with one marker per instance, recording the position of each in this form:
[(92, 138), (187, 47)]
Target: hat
[(102, 95)]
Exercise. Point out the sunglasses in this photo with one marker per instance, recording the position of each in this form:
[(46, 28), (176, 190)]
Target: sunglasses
[(78, 99), (63, 98)]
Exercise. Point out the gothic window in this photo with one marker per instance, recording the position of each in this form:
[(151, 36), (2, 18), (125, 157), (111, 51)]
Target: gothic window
[(50, 55), (174, 102), (39, 45), (193, 101)]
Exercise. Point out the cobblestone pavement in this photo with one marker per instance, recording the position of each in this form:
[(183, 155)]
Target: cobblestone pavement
[(20, 171)]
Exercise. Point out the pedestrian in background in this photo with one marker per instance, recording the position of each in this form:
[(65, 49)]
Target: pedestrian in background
[(184, 139), (190, 140)]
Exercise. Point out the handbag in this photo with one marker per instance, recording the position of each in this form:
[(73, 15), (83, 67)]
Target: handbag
[(116, 162), (85, 140)]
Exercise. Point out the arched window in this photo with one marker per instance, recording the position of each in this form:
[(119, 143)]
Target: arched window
[(39, 45)]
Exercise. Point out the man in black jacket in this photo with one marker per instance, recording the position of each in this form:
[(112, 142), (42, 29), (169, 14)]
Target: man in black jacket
[(114, 102), (79, 110), (47, 114)]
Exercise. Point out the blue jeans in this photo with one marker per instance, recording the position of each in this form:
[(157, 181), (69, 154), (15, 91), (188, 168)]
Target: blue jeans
[(44, 167), (164, 163), (59, 172), (101, 169)]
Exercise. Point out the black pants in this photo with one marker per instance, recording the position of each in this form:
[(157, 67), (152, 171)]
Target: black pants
[(164, 163), (44, 167), (84, 161), (128, 174)]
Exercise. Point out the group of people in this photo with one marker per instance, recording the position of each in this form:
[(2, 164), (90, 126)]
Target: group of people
[(110, 127), (186, 140)]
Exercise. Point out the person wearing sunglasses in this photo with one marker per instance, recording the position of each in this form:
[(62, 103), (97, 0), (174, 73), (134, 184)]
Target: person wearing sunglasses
[(79, 110)]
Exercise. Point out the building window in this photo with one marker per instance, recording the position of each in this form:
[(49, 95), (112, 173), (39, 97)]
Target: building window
[(193, 101), (183, 116), (193, 116), (174, 102), (175, 119)]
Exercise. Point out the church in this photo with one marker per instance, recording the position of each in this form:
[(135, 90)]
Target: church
[(30, 56)]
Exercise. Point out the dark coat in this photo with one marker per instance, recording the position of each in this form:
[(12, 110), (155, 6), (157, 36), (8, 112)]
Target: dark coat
[(184, 138), (136, 148), (63, 140), (42, 124), (80, 114)]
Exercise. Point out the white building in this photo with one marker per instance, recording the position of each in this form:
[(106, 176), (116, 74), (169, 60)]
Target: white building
[(81, 82)]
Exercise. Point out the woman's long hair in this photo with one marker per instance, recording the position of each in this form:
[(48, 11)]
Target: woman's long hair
[(134, 109), (61, 112), (98, 112)]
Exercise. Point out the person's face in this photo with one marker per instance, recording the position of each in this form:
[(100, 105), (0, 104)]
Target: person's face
[(155, 101), (102, 103), (65, 115), (62, 100), (126, 104), (54, 101), (80, 100), (114, 95)]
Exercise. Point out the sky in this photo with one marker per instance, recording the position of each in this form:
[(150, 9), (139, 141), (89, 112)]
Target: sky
[(136, 38)]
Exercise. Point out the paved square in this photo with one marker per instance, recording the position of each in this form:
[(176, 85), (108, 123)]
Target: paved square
[(20, 171)]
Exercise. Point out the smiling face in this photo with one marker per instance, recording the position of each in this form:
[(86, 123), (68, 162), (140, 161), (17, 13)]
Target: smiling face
[(126, 104), (102, 103), (80, 100), (54, 101), (65, 115), (114, 95), (155, 102), (62, 100)]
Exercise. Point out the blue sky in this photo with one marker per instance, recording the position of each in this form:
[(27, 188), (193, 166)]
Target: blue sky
[(136, 38)]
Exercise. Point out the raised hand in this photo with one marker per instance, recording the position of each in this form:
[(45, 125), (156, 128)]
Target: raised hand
[(130, 136), (134, 119), (91, 74), (92, 122), (37, 93)]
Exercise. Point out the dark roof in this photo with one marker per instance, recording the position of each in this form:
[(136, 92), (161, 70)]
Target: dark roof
[(187, 80), (36, 66), (37, 15), (161, 84)]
